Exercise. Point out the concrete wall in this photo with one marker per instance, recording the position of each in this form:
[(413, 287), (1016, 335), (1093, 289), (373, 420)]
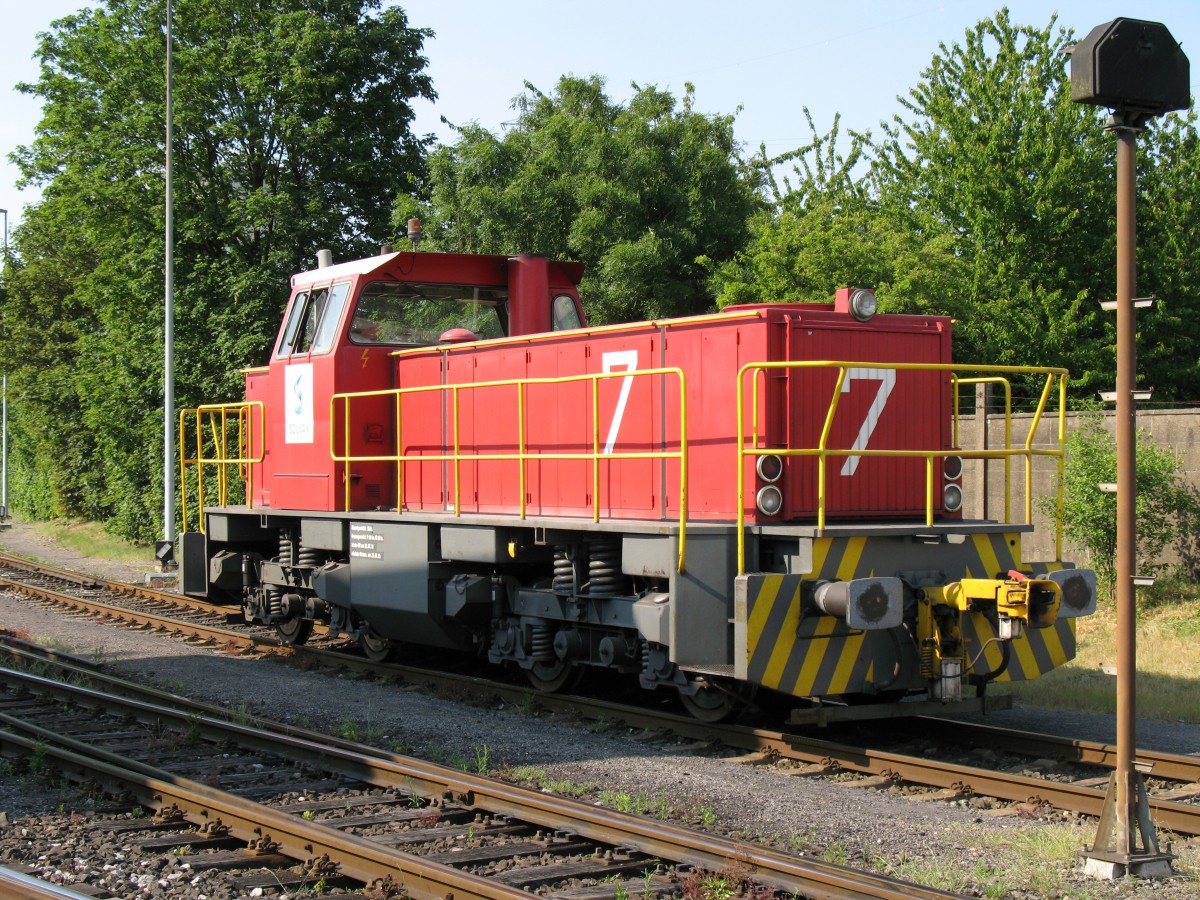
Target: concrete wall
[(1177, 429)]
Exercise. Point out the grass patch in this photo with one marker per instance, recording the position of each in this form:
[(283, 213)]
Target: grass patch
[(90, 539), (1168, 666), (1036, 860), (538, 778)]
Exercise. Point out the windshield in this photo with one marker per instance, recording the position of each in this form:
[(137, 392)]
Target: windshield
[(403, 313)]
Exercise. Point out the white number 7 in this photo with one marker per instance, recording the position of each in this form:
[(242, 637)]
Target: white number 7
[(887, 381), (609, 361)]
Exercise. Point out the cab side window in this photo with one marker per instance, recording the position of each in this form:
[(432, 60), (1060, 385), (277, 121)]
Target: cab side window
[(288, 341), (330, 318), (565, 313), (313, 320)]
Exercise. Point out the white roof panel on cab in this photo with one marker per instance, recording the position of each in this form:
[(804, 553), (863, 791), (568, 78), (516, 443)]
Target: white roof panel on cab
[(342, 270)]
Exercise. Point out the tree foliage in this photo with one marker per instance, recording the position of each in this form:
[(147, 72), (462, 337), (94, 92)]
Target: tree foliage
[(1168, 248), (291, 131), (637, 191), (992, 151), (1090, 514), (830, 229), (991, 198)]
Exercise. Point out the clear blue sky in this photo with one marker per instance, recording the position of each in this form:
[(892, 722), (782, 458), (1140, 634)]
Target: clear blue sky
[(771, 58)]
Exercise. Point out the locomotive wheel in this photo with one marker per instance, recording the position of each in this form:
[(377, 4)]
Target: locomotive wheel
[(552, 677), (715, 702), (376, 648), (294, 631)]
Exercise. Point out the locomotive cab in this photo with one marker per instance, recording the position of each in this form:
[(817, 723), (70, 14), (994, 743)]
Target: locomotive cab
[(341, 325)]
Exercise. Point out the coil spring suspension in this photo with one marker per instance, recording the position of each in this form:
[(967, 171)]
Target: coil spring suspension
[(564, 571), (604, 568), (309, 558), (287, 552), (541, 643), (928, 651)]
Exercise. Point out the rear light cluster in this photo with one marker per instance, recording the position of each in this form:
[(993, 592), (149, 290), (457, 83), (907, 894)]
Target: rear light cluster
[(952, 493), (769, 498)]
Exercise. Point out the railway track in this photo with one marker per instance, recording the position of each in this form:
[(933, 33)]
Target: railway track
[(303, 806), (1175, 779)]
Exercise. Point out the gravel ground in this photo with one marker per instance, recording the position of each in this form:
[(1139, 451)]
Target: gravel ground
[(817, 816)]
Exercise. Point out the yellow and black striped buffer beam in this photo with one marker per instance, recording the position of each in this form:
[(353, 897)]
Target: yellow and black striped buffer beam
[(1036, 652), (780, 647)]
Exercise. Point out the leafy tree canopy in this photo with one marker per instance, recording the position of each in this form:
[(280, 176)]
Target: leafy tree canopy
[(992, 150), (638, 192), (291, 131), (991, 198)]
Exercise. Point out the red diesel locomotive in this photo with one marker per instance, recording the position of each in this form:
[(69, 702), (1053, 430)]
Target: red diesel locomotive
[(440, 452)]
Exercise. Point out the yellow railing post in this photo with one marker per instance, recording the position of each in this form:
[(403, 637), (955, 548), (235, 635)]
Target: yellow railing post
[(217, 419), (595, 450)]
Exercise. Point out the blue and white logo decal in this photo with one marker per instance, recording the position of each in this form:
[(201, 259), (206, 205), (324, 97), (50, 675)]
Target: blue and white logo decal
[(298, 403)]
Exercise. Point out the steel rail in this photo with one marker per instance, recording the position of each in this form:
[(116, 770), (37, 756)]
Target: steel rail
[(258, 825), (152, 620), (19, 886), (120, 587), (1171, 766), (675, 844)]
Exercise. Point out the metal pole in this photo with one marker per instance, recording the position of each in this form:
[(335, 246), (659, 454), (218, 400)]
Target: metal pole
[(3, 447), (4, 409), (1126, 485), (169, 333)]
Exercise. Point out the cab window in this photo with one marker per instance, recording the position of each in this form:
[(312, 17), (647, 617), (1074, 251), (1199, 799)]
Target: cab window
[(289, 333), (565, 313), (330, 318), (403, 314), (313, 320)]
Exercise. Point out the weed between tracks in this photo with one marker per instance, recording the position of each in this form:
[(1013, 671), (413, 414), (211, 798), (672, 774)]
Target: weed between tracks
[(1038, 860)]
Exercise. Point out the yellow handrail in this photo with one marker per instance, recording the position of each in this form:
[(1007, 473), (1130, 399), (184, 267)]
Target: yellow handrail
[(521, 456), (995, 379), (216, 418), (822, 451)]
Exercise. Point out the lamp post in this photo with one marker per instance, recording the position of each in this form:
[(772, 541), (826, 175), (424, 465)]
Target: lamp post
[(164, 549), (1138, 71), (4, 410)]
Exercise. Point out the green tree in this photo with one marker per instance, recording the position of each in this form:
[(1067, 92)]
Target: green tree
[(638, 192), (292, 132), (1168, 247), (1090, 514), (830, 228), (991, 150)]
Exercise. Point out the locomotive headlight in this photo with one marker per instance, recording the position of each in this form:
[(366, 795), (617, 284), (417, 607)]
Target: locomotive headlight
[(952, 498), (769, 500), (863, 304), (953, 467), (769, 468)]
